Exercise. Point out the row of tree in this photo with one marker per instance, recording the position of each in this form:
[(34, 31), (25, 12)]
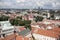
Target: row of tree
[(4, 18), (19, 22)]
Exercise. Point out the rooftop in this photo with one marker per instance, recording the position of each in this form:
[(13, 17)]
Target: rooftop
[(9, 37), (24, 32), (49, 33), (23, 38)]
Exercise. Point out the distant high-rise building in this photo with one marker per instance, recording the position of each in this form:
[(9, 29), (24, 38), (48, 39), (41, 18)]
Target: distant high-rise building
[(39, 8)]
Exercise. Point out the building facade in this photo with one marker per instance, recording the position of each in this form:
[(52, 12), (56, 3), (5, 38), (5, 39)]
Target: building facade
[(5, 28)]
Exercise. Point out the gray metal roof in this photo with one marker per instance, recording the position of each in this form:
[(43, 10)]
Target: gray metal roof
[(24, 32)]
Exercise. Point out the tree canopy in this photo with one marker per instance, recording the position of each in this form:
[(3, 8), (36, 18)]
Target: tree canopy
[(19, 22), (4, 18), (39, 18)]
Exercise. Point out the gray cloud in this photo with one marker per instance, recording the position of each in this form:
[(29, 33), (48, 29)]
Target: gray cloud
[(29, 3)]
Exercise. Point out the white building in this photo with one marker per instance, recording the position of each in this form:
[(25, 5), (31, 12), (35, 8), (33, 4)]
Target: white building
[(6, 28), (42, 37), (57, 16)]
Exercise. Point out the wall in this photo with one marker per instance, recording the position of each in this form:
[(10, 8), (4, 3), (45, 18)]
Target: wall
[(42, 37)]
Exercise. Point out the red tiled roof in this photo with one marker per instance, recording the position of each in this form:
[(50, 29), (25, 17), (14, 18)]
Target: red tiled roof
[(22, 28), (23, 38), (19, 38), (9, 37), (45, 32), (1, 38), (57, 30), (42, 24), (53, 21)]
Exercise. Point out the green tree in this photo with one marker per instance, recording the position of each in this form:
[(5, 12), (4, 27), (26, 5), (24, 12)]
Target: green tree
[(12, 21), (16, 22), (21, 23), (39, 18), (19, 17), (4, 18), (27, 21), (28, 26)]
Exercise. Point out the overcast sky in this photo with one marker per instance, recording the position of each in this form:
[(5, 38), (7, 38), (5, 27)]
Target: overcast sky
[(30, 4)]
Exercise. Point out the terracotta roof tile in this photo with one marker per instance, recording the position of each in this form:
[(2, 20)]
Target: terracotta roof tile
[(10, 37), (45, 32), (22, 28), (1, 38), (19, 38), (26, 38), (22, 38), (57, 30)]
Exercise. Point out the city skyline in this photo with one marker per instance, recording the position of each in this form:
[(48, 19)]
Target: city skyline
[(29, 4)]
